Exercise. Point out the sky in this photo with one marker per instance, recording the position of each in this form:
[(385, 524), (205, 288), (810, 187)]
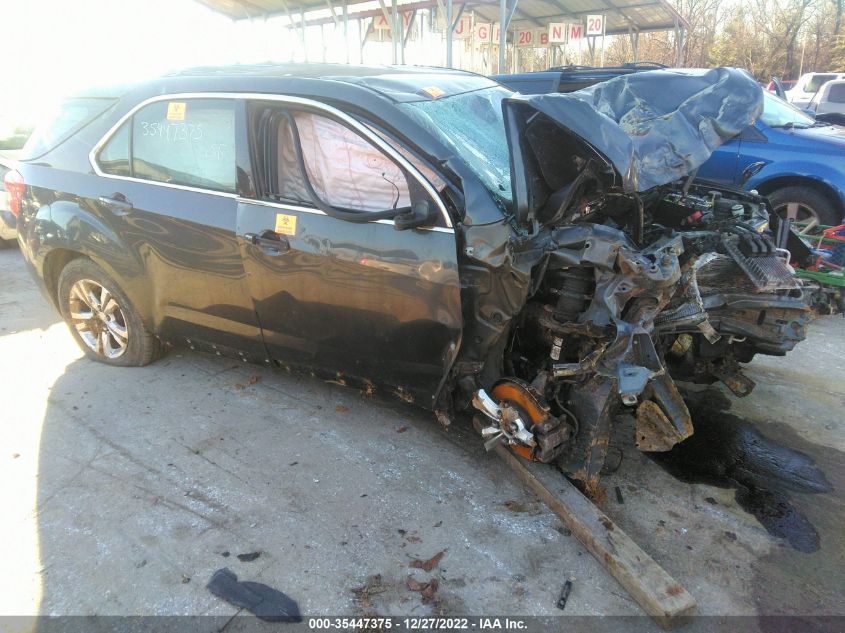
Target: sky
[(52, 48), (55, 47)]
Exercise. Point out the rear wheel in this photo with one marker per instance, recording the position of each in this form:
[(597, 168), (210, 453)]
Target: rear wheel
[(101, 318), (804, 204)]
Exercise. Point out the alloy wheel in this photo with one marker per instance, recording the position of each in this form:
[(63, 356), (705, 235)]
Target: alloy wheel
[(797, 212), (98, 318)]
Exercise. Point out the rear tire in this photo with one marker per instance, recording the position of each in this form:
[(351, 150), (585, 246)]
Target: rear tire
[(804, 203), (102, 319)]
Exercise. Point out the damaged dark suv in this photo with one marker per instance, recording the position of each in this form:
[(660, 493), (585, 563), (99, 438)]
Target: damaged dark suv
[(549, 260)]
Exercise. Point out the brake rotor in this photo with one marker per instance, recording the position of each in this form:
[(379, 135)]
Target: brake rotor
[(528, 402)]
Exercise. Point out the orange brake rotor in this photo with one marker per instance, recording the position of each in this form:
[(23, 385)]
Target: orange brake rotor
[(529, 403)]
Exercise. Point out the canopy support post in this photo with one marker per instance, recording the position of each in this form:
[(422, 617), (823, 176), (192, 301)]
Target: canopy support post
[(503, 29), (346, 29), (302, 26), (635, 43), (679, 42), (449, 30)]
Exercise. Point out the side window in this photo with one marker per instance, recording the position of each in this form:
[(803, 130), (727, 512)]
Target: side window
[(836, 93), (114, 157), (345, 170), (190, 142)]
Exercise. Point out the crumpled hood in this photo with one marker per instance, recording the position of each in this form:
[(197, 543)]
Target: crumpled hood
[(657, 126)]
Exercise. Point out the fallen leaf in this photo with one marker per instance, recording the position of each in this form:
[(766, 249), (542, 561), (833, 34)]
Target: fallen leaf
[(515, 506), (372, 585), (254, 379), (430, 590), (341, 409), (429, 564), (402, 429), (245, 558), (416, 585)]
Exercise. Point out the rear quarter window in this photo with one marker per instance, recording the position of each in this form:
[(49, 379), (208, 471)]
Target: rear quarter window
[(70, 116)]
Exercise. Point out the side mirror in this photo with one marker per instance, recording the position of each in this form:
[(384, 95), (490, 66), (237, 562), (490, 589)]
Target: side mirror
[(420, 214)]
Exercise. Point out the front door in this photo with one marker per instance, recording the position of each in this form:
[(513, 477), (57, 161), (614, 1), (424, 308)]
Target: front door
[(335, 288)]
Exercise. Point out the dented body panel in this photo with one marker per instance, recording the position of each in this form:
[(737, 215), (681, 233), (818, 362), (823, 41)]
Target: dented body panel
[(565, 272)]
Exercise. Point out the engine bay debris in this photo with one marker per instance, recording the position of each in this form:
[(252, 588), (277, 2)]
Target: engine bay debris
[(619, 273)]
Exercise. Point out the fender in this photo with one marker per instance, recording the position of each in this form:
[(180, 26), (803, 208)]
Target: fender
[(74, 226), (820, 173)]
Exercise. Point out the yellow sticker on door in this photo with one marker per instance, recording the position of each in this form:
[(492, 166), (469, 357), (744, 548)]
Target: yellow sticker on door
[(285, 224), (176, 110)]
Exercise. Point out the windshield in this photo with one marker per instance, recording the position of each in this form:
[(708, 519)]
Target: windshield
[(472, 125), (779, 113)]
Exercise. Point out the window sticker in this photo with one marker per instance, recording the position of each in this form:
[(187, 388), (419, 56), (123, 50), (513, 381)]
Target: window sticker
[(285, 224), (176, 110)]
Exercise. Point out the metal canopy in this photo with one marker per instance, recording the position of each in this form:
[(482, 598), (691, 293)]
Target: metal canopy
[(628, 17), (248, 9)]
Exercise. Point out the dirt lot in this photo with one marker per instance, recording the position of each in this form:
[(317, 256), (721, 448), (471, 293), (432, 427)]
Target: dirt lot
[(123, 490)]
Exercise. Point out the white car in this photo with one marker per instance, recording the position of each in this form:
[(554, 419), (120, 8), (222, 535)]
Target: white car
[(830, 99), (807, 86)]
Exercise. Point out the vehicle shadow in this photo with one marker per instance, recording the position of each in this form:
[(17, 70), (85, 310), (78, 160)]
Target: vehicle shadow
[(151, 479)]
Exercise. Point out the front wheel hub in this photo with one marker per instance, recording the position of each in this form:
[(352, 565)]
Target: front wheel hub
[(518, 417)]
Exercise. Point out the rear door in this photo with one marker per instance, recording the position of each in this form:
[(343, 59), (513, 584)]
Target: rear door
[(335, 288), (168, 188)]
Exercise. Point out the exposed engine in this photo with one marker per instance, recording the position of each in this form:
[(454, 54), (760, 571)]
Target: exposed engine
[(683, 282)]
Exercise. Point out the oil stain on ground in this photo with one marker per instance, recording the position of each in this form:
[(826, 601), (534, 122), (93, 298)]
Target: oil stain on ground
[(729, 452)]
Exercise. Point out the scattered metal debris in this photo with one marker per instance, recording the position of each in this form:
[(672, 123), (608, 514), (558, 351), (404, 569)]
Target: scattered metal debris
[(564, 595)]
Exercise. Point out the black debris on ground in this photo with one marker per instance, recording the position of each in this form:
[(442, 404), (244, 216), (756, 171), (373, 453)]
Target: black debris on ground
[(259, 599)]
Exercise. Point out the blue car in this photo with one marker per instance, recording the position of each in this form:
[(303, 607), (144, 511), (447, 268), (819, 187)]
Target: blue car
[(798, 162)]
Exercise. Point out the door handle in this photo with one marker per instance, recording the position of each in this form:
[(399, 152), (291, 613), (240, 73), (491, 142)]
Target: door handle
[(275, 245), (117, 203)]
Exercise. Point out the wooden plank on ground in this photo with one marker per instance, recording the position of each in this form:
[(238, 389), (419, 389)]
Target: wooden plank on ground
[(660, 595)]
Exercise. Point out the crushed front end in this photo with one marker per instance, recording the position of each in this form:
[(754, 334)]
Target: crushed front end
[(622, 274)]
